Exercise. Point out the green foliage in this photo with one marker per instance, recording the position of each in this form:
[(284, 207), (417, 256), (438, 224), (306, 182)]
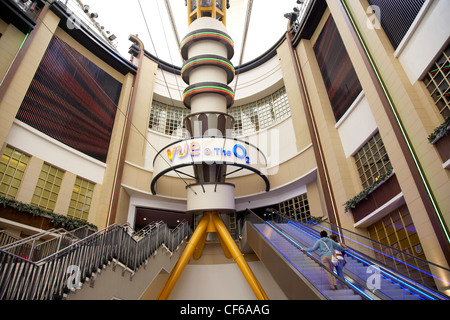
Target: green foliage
[(56, 219), (440, 131), (316, 219), (351, 204)]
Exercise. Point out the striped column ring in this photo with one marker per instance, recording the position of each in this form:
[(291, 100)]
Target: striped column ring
[(207, 34), (208, 87), (208, 60)]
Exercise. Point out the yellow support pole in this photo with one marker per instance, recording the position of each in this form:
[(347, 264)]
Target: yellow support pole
[(211, 222), (200, 246), (184, 259), (224, 247), (239, 258)]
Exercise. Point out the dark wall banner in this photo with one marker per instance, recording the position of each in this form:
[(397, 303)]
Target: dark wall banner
[(72, 100)]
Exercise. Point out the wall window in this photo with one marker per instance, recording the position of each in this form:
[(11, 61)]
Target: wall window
[(258, 115), (397, 16), (249, 118), (437, 82), (296, 208), (47, 187), (339, 76), (397, 230), (167, 119), (12, 169), (81, 200), (372, 161)]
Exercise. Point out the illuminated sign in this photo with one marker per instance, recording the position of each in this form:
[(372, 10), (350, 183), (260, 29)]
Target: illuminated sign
[(178, 158), (209, 152)]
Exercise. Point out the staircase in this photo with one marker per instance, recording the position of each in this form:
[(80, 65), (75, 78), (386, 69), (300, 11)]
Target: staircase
[(75, 260)]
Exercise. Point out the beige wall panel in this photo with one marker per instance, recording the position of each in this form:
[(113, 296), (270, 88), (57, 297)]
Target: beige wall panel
[(10, 43), (136, 177), (140, 179), (122, 207), (302, 138), (29, 180), (315, 199), (98, 212), (102, 213), (405, 99), (65, 194), (340, 172), (22, 78), (137, 142)]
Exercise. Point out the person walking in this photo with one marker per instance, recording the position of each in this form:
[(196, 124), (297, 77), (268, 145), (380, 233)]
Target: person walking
[(340, 256), (326, 245)]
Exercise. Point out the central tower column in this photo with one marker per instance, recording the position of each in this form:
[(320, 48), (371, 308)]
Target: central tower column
[(207, 50)]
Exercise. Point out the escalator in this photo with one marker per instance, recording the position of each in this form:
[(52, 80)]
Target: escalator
[(371, 272)]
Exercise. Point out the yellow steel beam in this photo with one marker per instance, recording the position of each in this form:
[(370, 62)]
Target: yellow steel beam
[(200, 246), (184, 259), (239, 258), (211, 222)]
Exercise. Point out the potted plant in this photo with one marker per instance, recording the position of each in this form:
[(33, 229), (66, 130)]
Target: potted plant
[(441, 140), (351, 204), (26, 213)]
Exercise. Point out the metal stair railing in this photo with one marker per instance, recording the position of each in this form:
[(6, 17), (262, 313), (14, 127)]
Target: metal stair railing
[(174, 237), (24, 247), (37, 246), (64, 271), (6, 238)]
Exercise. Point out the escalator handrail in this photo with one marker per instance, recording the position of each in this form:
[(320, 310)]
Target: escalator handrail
[(383, 268), (331, 226), (355, 288), (360, 290)]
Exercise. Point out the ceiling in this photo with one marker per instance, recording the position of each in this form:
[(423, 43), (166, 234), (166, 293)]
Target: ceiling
[(150, 21), (144, 216)]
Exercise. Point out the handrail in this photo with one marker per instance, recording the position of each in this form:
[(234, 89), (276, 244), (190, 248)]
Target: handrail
[(31, 250), (356, 288), (6, 238), (32, 238), (65, 270)]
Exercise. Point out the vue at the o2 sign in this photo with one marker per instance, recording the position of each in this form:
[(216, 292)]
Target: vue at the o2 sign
[(208, 152), (180, 156)]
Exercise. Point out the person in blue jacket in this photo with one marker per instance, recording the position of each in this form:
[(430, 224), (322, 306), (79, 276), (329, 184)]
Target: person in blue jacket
[(327, 247)]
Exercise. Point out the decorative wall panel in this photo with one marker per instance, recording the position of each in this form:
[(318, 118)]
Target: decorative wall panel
[(396, 17), (72, 100), (340, 78)]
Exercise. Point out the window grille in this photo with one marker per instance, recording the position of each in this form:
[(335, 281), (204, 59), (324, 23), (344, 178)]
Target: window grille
[(372, 161), (12, 169)]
